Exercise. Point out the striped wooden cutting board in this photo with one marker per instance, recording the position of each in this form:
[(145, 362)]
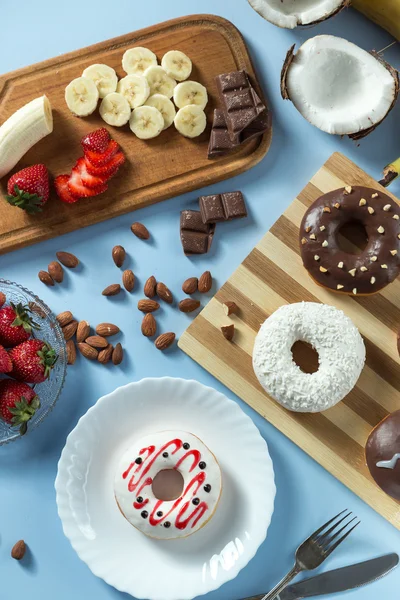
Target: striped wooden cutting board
[(273, 275)]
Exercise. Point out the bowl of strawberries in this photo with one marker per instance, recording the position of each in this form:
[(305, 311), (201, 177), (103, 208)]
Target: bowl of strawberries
[(33, 361)]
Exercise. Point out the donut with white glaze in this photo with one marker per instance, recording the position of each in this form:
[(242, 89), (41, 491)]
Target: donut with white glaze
[(202, 484), (340, 348)]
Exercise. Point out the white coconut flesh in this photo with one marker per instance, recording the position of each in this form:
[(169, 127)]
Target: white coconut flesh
[(291, 13), (339, 87)]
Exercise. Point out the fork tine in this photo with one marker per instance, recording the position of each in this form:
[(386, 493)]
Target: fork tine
[(326, 541), (314, 535), (340, 540), (321, 538)]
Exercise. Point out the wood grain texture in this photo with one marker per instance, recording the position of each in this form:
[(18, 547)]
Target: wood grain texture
[(273, 275), (156, 169)]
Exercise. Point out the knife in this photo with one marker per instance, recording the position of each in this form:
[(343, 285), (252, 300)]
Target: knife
[(339, 580)]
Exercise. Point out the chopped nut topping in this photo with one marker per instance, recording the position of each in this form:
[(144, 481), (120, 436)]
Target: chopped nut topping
[(353, 272), (323, 270), (354, 291), (380, 229), (339, 286), (326, 209), (362, 202), (340, 265), (363, 269), (395, 217), (370, 210), (374, 258), (384, 266), (387, 207), (312, 236), (393, 252), (308, 229), (336, 205), (322, 228), (303, 241), (375, 195), (316, 257), (372, 280), (348, 189), (324, 243)]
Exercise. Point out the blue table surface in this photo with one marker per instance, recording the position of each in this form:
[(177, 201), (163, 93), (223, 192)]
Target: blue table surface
[(307, 495)]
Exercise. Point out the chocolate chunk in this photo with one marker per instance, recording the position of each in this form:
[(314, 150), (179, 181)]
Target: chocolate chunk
[(258, 127), (192, 221), (234, 206), (222, 207), (220, 142), (196, 236)]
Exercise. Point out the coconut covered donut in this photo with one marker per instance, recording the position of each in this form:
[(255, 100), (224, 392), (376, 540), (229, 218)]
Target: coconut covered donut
[(202, 484), (341, 356)]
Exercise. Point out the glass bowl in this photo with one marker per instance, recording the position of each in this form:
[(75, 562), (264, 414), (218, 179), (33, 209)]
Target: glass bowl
[(50, 332)]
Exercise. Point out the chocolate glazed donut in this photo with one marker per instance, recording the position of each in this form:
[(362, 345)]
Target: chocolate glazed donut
[(340, 271)]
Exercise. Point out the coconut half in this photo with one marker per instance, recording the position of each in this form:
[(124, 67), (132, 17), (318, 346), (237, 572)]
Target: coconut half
[(339, 87), (291, 13)]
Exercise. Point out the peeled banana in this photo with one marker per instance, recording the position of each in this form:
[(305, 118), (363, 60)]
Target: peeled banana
[(385, 13)]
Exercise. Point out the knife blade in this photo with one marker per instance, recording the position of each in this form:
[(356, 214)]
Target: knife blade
[(339, 580)]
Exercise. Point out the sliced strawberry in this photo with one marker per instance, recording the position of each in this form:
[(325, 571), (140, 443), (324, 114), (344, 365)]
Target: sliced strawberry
[(107, 170), (96, 141), (89, 180), (99, 159), (61, 185), (79, 189)]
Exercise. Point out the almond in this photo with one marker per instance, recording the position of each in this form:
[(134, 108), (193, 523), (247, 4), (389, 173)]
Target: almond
[(228, 331), (3, 299), (67, 259), (190, 285), (117, 355), (70, 330), (71, 352), (149, 289), (64, 318), (87, 351), (164, 293), (112, 290), (105, 355), (18, 550), (46, 278), (118, 254), (140, 231), (148, 306), (149, 325), (128, 279), (83, 331), (230, 308), (164, 340), (35, 308), (205, 282), (188, 305), (107, 329), (56, 271), (97, 341)]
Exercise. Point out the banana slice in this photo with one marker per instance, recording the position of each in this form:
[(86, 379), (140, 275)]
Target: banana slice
[(81, 96), (190, 120), (135, 88), (165, 106), (137, 60), (190, 92), (146, 122), (104, 77), (177, 65), (115, 109), (159, 81)]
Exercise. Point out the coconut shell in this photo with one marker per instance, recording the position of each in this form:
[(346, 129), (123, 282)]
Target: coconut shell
[(288, 61), (344, 4)]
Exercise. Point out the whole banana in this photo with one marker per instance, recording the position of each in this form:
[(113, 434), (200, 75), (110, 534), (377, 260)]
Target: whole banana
[(385, 13)]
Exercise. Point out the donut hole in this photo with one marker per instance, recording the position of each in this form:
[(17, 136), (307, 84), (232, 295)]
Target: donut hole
[(305, 357), (352, 237), (168, 485)]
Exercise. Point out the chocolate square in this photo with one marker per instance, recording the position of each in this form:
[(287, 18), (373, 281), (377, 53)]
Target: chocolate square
[(212, 209), (220, 141), (196, 236), (234, 205), (192, 221)]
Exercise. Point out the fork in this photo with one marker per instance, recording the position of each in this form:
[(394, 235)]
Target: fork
[(312, 553)]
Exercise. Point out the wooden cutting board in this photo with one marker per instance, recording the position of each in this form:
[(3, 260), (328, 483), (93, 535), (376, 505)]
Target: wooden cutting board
[(273, 275), (156, 169)]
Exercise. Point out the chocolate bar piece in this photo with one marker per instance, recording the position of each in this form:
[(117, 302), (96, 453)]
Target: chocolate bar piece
[(240, 102), (220, 142), (258, 127), (196, 236), (222, 207)]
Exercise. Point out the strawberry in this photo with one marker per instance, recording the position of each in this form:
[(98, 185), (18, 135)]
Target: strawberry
[(99, 159), (78, 189), (32, 361), (61, 185), (15, 325), (89, 180), (29, 189), (18, 403), (2, 299), (107, 170), (96, 141), (5, 361)]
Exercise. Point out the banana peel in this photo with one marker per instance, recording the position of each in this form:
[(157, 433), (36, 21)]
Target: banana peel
[(385, 13)]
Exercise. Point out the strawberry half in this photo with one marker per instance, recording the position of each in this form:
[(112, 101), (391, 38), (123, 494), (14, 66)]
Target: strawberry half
[(32, 361), (61, 185), (99, 159), (18, 403), (88, 179), (79, 189), (96, 141), (29, 189), (5, 361), (107, 170)]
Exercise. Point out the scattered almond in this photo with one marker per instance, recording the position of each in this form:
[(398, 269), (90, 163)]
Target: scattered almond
[(56, 271), (164, 340), (117, 355), (149, 325), (83, 331), (230, 308), (64, 318), (140, 231), (71, 352), (128, 279), (150, 286), (164, 293), (112, 290), (107, 329), (97, 341), (3, 299), (18, 550), (87, 351), (148, 306), (205, 282), (46, 278), (70, 330), (228, 331), (35, 308), (105, 355), (188, 305), (67, 259), (118, 255), (190, 285)]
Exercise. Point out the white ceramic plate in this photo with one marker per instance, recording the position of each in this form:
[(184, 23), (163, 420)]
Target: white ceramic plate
[(116, 551)]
